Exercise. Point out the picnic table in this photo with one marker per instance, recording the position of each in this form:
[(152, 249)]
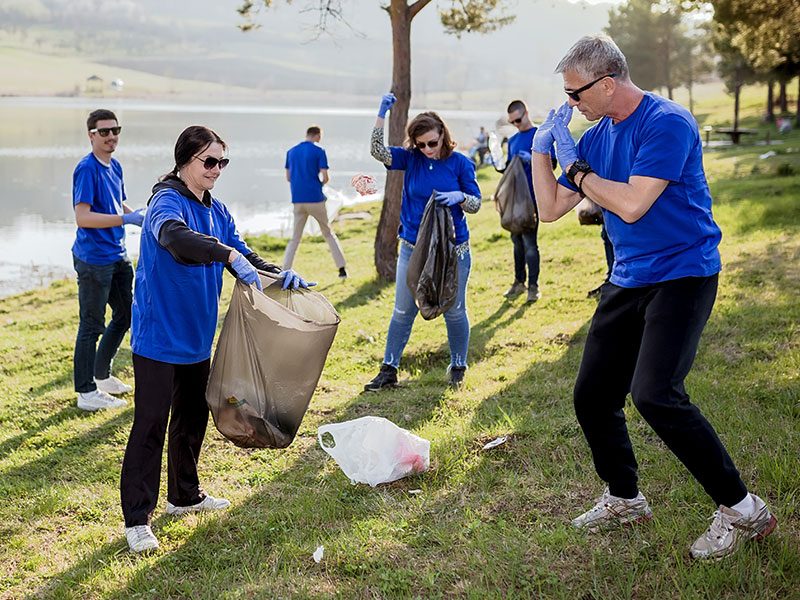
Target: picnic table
[(735, 134)]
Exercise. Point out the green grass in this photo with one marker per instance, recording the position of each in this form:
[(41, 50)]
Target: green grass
[(487, 524)]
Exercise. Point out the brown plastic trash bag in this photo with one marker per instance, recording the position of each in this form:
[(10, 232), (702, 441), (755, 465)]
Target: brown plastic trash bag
[(269, 358), (433, 268), (513, 199), (589, 213)]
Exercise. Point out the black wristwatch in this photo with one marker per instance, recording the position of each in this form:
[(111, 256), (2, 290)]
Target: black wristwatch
[(579, 166)]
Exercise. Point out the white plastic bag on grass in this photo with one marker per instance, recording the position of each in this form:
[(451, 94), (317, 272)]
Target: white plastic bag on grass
[(374, 450)]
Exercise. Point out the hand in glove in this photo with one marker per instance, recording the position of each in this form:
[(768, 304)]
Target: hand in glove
[(449, 198), (524, 156), (387, 101), (293, 280), (135, 217), (246, 272), (566, 151)]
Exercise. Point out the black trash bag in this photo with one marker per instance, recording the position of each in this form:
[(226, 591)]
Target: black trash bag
[(433, 267), (589, 213), (268, 360), (513, 199)]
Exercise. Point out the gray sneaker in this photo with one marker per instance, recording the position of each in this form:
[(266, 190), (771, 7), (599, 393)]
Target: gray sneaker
[(729, 529), (98, 400), (533, 294), (517, 288), (140, 538), (611, 511), (206, 504)]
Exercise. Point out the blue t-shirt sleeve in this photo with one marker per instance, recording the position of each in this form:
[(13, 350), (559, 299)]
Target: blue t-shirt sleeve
[(232, 236), (122, 179), (166, 206), (323, 160), (400, 158), (467, 180), (665, 146), (83, 186)]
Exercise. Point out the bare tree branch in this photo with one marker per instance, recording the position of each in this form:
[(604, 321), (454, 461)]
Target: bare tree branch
[(416, 7)]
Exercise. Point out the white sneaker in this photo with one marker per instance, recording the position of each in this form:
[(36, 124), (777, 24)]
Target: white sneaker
[(206, 504), (612, 511), (99, 400), (140, 538), (729, 529), (112, 385)]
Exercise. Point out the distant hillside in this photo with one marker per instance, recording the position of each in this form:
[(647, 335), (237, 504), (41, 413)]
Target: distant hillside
[(164, 38)]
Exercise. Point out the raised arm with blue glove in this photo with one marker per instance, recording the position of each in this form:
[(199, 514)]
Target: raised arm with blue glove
[(246, 272), (387, 101), (292, 279), (566, 151), (135, 217), (449, 198)]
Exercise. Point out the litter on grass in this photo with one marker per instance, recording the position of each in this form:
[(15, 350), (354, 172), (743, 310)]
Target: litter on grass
[(318, 554), (495, 442)]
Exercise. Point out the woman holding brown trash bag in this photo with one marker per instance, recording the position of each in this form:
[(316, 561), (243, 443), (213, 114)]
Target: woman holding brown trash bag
[(429, 166), (187, 238)]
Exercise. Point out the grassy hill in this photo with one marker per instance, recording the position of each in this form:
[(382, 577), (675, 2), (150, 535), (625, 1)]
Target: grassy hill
[(486, 524)]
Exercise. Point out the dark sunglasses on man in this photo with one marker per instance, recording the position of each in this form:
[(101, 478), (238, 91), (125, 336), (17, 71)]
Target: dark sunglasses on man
[(517, 121), (104, 131), (209, 162), (432, 144), (576, 94)]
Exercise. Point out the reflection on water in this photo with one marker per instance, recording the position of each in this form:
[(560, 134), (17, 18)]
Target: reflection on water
[(41, 140)]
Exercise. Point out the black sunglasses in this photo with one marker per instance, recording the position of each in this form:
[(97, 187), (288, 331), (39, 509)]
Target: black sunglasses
[(104, 131), (209, 162), (517, 121), (576, 94), (432, 144)]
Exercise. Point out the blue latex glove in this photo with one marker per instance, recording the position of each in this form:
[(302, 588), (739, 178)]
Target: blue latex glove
[(566, 151), (134, 218), (292, 280), (449, 198), (524, 155), (543, 138), (246, 272), (387, 101)]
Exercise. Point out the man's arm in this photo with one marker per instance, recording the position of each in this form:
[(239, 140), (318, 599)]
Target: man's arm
[(325, 178), (553, 200), (84, 217), (629, 201), (288, 176)]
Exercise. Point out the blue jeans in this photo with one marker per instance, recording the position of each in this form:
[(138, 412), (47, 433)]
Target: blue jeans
[(405, 311), (526, 253), (99, 285)]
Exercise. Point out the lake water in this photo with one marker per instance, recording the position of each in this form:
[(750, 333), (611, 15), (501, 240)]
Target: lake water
[(42, 139)]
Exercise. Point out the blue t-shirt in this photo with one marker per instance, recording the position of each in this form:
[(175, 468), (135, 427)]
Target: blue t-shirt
[(175, 306), (100, 187), (304, 162), (522, 141), (422, 176), (677, 237)]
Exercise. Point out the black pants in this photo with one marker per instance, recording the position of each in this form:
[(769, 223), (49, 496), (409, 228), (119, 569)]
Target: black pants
[(161, 388), (526, 254), (643, 341), (99, 285)]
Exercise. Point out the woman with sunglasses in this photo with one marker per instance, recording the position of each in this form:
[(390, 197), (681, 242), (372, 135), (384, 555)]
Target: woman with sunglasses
[(429, 166), (188, 238)]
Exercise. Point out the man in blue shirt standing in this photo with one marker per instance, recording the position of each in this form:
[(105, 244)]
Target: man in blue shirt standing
[(642, 163), (105, 274), (526, 246), (305, 164)]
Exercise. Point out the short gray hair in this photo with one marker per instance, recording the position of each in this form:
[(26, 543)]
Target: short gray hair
[(593, 56)]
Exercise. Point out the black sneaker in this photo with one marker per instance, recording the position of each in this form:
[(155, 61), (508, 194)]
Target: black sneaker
[(387, 377), (342, 273), (457, 377)]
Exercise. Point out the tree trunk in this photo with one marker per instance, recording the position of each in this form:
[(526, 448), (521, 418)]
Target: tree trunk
[(386, 236), (797, 114), (770, 114), (783, 100), (736, 95)]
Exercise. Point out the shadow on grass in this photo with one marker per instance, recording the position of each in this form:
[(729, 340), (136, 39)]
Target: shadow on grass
[(366, 293)]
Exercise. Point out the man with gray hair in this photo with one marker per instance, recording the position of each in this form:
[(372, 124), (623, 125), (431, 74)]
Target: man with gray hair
[(643, 164)]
